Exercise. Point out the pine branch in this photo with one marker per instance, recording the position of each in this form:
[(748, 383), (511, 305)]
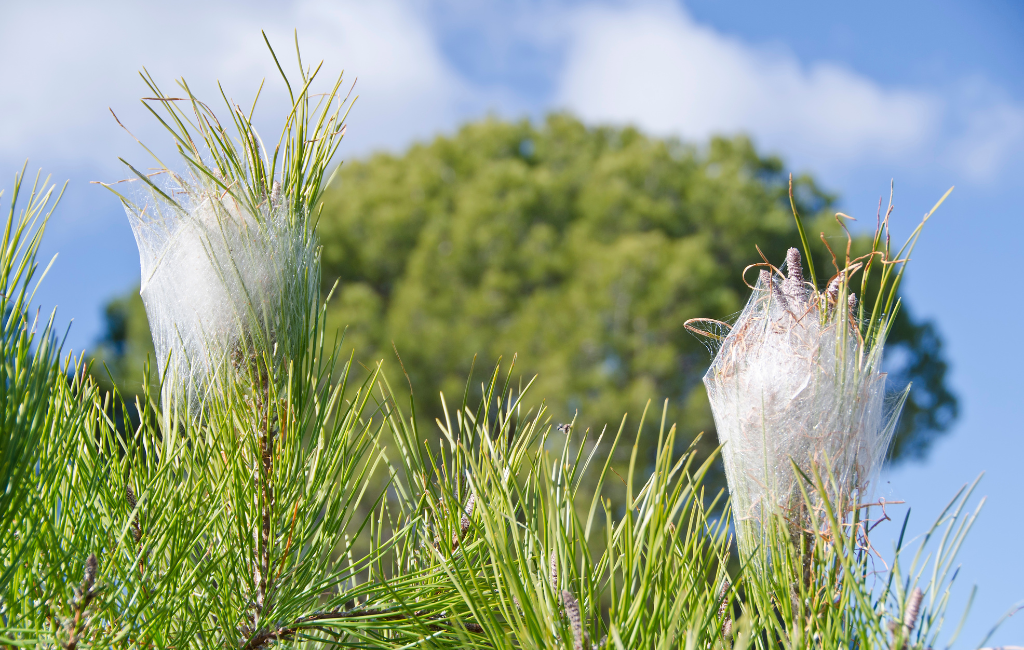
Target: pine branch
[(266, 637), (265, 486)]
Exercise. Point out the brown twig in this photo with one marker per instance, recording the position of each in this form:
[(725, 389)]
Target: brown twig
[(129, 496), (572, 611), (554, 570), (723, 610), (84, 595)]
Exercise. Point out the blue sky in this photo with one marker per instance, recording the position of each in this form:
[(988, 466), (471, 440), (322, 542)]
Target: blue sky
[(930, 94)]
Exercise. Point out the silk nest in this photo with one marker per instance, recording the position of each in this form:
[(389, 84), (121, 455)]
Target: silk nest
[(793, 384), (225, 287)]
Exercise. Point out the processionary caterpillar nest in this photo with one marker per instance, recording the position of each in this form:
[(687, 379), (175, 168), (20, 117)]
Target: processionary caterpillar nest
[(792, 383), (222, 282)]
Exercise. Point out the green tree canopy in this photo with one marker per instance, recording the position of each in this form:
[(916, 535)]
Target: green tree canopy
[(580, 250)]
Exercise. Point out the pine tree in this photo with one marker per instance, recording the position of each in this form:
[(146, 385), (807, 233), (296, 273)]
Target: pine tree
[(239, 510)]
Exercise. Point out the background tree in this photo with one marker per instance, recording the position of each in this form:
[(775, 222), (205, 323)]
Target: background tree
[(582, 250)]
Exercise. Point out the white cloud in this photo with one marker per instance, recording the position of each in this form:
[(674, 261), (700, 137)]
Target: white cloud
[(406, 87), (59, 77), (991, 134), (649, 64), (652, 65)]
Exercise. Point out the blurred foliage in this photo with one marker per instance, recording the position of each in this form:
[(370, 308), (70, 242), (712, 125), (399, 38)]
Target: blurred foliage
[(122, 353), (582, 251)]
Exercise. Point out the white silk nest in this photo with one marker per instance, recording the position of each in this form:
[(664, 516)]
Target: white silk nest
[(222, 285), (793, 384)]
